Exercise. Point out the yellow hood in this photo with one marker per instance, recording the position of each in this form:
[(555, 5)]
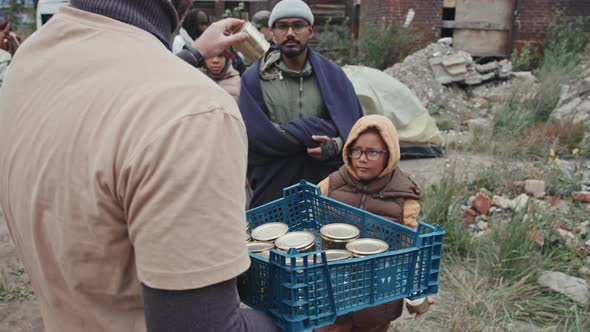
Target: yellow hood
[(388, 134)]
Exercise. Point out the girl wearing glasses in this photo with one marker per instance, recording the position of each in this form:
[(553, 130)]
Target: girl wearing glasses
[(371, 180)]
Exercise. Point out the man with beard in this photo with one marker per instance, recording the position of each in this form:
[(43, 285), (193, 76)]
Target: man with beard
[(122, 174), (298, 108)]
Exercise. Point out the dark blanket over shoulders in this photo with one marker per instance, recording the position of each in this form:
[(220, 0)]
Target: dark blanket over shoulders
[(275, 162)]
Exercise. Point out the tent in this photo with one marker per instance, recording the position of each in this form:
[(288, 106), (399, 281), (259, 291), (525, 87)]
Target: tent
[(380, 93)]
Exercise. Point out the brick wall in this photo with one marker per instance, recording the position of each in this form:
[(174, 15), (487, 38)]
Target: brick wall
[(531, 20), (376, 14)]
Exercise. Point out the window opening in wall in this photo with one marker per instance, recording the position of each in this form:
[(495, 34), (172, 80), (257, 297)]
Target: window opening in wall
[(446, 32), (448, 14)]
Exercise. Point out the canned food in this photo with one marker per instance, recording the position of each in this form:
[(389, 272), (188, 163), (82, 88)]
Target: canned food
[(269, 232), (255, 46), (337, 254), (302, 241), (248, 234), (258, 247), (337, 235), (366, 247)]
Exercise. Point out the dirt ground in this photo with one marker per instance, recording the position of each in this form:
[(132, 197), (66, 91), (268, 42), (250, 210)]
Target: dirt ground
[(24, 316)]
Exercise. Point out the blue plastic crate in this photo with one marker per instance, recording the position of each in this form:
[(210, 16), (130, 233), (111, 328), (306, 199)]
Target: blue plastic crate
[(302, 291)]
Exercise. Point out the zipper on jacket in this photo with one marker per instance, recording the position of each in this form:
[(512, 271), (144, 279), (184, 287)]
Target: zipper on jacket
[(363, 198), (300, 95)]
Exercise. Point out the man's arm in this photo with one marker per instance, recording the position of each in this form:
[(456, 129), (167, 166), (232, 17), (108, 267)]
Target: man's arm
[(212, 308)]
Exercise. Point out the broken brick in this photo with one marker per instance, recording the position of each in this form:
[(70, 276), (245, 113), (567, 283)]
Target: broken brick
[(581, 196), (482, 203), (470, 215), (537, 235)]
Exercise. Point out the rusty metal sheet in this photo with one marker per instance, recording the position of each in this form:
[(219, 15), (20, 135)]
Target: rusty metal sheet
[(483, 27)]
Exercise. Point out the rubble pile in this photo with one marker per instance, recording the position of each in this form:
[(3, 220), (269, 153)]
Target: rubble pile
[(482, 212), (574, 100), (441, 76)]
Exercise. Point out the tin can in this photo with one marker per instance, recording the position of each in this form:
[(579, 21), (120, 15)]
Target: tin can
[(248, 233), (269, 232), (337, 235), (302, 241), (337, 254), (366, 247), (258, 247), (253, 48)]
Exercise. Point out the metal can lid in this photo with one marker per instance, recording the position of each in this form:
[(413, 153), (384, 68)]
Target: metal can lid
[(270, 231), (259, 246), (339, 231), (337, 254), (367, 246), (297, 240)]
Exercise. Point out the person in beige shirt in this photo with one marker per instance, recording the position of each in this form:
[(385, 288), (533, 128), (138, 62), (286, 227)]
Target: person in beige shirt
[(122, 174)]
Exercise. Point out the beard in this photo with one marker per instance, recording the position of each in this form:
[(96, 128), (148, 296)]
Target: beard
[(291, 52)]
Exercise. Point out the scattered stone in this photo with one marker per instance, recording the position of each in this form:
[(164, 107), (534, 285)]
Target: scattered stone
[(535, 188), (569, 237), (537, 235), (574, 99), (576, 289), (519, 184), (502, 202), (504, 70), (482, 203), (473, 78), (482, 226), (470, 215), (585, 271), (519, 203), (486, 68), (482, 234), (503, 217), (446, 41), (581, 196)]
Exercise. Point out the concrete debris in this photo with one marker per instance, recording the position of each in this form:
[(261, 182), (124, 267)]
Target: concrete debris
[(535, 188), (574, 99), (502, 202), (519, 203), (446, 41), (576, 289), (482, 226), (568, 236)]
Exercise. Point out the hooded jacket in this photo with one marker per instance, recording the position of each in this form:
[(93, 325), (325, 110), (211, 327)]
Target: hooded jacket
[(228, 79), (392, 194)]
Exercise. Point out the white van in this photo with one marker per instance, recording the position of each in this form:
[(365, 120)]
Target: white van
[(47, 8)]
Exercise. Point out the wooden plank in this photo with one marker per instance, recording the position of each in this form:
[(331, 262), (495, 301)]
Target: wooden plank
[(475, 25), (481, 42), (482, 27), (449, 3)]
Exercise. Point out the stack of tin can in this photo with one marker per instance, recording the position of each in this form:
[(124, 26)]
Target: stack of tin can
[(338, 240)]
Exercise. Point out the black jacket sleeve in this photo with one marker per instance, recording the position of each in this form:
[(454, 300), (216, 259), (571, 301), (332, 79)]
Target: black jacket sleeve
[(212, 308)]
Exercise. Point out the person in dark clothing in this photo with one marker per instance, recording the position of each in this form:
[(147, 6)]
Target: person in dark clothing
[(298, 108), (195, 22), (133, 219)]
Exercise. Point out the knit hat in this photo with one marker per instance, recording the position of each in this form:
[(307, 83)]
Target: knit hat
[(260, 19), (290, 8)]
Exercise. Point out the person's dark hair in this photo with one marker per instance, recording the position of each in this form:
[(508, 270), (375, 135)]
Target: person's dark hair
[(181, 6), (192, 21)]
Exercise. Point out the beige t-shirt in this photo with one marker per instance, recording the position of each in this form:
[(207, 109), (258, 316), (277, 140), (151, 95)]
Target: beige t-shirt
[(120, 164)]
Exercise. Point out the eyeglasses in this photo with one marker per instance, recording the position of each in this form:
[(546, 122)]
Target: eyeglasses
[(283, 28), (371, 154)]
